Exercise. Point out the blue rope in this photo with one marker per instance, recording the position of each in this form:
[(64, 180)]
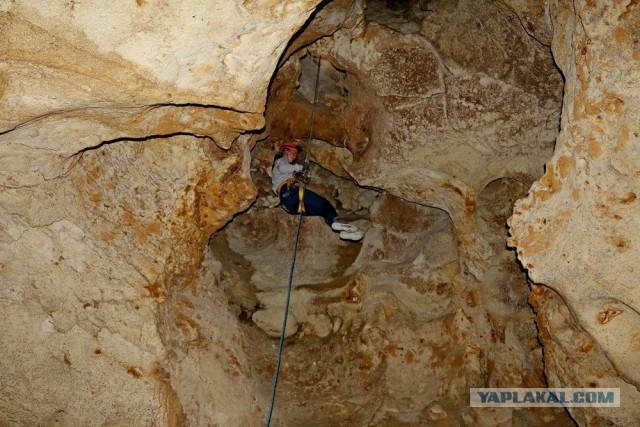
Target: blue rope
[(293, 259), (284, 321)]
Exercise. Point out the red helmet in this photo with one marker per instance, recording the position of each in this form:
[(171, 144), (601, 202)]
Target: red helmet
[(291, 146)]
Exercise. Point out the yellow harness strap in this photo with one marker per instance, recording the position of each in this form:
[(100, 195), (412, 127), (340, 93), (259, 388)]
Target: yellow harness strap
[(287, 183), (300, 198)]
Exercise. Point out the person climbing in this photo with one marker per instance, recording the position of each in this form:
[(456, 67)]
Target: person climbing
[(286, 177)]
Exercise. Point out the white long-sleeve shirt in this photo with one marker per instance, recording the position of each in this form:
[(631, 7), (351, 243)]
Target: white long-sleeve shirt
[(282, 170)]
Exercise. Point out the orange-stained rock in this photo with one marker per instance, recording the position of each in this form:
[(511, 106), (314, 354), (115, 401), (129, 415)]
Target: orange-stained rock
[(141, 257), (120, 154), (586, 249)]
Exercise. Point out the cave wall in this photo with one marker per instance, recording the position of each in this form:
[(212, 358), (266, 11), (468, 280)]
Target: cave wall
[(120, 154), (433, 111), (117, 162), (408, 106), (88, 261), (575, 232)]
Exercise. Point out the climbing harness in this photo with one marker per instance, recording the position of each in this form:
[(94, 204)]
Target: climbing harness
[(301, 198), (301, 188)]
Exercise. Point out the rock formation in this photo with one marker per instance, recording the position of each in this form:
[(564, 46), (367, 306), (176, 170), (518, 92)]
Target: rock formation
[(143, 265), (120, 156), (574, 232)]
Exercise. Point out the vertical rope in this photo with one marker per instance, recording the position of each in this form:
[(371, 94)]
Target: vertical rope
[(293, 258), (284, 323), (313, 115)]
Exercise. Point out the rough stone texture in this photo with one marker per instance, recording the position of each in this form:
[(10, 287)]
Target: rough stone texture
[(207, 363), (533, 17), (573, 357), (119, 156), (121, 152), (327, 19), (431, 116), (87, 260), (145, 52), (431, 294), (131, 69), (575, 232), (391, 331)]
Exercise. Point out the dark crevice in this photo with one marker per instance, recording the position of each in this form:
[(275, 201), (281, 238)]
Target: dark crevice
[(191, 104), (139, 139), (143, 108)]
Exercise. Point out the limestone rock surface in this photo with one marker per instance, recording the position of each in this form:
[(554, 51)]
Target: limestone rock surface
[(575, 232), (88, 259), (432, 114), (120, 154), (143, 265), (447, 141)]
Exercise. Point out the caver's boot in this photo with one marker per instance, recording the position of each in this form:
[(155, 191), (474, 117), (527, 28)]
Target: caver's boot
[(342, 225), (353, 235)]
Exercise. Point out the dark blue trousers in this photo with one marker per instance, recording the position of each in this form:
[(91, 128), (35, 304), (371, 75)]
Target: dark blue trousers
[(314, 204)]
